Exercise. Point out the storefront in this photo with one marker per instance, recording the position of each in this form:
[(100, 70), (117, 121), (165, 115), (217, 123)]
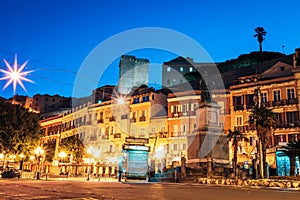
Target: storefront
[(283, 164)]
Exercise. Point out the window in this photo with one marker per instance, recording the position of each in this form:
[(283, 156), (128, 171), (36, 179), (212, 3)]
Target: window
[(238, 103), (153, 130), (175, 108), (143, 113), (276, 95), (168, 82), (145, 98), (142, 132), (183, 146), (175, 147), (185, 108), (290, 93), (183, 128), (136, 100), (291, 116), (239, 121), (252, 141), (181, 69), (112, 130), (191, 69), (168, 69), (263, 97)]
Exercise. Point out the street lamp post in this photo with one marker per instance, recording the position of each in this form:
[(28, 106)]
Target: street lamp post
[(39, 152), (22, 156), (62, 155)]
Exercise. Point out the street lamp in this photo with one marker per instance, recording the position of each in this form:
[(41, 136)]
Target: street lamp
[(39, 152), (22, 156), (62, 155)]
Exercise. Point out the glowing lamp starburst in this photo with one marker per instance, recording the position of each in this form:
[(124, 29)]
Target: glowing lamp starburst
[(15, 74)]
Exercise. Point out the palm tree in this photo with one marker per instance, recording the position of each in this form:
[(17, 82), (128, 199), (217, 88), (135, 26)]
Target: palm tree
[(264, 121), (235, 137), (292, 149), (260, 34)]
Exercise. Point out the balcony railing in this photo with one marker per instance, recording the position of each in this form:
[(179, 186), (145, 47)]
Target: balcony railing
[(178, 114), (288, 124), (246, 128), (239, 107), (124, 116), (142, 118), (100, 120), (133, 120), (178, 134), (117, 135), (105, 137), (112, 119)]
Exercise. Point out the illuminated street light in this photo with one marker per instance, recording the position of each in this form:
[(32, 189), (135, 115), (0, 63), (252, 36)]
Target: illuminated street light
[(39, 152), (62, 155)]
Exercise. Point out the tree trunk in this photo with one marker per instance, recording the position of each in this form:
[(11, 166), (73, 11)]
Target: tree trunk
[(260, 50), (292, 165), (235, 161), (265, 165)]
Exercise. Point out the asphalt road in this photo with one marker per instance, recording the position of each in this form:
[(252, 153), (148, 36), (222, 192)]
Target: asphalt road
[(33, 189)]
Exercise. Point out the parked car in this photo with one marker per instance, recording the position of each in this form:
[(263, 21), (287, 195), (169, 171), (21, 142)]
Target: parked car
[(12, 173)]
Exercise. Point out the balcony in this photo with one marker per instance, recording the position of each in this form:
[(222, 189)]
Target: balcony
[(133, 120), (142, 118), (100, 121), (124, 116), (178, 114), (89, 123), (278, 103), (246, 128), (239, 107), (291, 101), (111, 119), (105, 137), (178, 134), (117, 135), (285, 125)]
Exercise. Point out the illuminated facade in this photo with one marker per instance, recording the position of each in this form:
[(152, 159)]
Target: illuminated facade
[(166, 119)]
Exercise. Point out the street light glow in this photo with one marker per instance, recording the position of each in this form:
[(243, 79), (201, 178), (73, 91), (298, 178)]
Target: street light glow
[(62, 154), (39, 151)]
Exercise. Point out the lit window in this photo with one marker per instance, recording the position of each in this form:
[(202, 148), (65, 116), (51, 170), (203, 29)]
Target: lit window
[(276, 95), (239, 120), (263, 97), (291, 93), (181, 69), (168, 69), (191, 69)]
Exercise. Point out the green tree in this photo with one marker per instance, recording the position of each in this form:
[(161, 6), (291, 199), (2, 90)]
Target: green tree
[(235, 137), (49, 148), (260, 34), (264, 120), (73, 145), (292, 149), (19, 129)]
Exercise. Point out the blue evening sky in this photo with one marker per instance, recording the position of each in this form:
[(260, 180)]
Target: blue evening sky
[(57, 35)]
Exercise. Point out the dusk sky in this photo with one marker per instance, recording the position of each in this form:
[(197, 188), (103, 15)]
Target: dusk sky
[(57, 35)]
